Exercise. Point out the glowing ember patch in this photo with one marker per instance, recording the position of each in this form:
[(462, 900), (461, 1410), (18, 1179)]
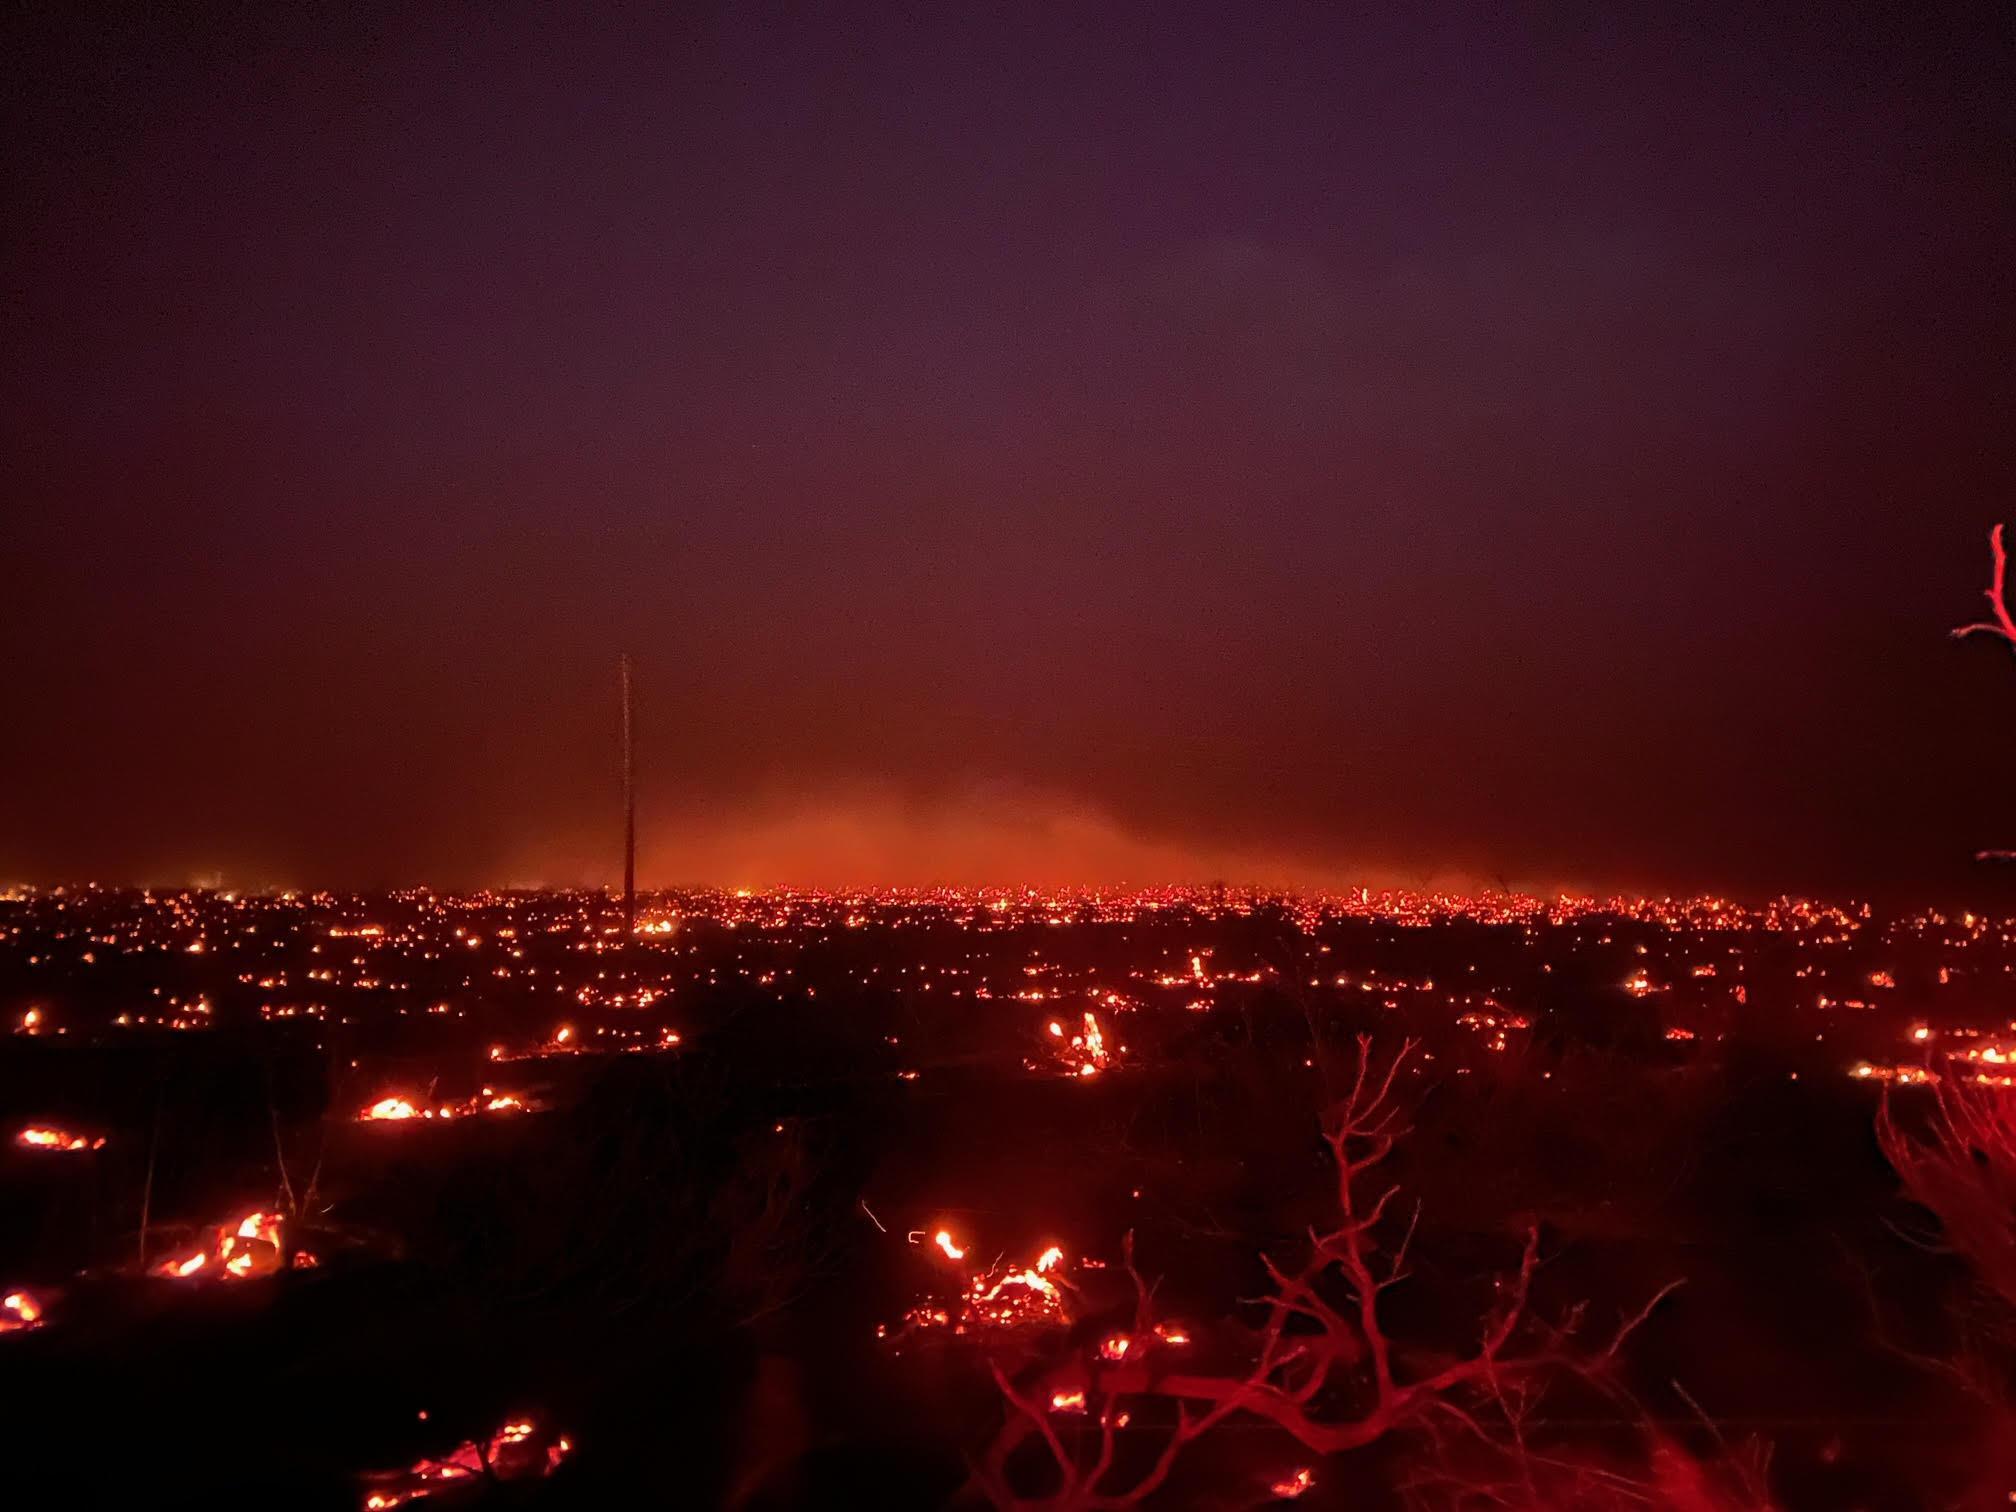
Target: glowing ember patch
[(944, 1242), (1172, 1333), (1293, 1486), (1067, 1401), (1049, 1259), (517, 1451), (61, 1141), (1116, 1347)]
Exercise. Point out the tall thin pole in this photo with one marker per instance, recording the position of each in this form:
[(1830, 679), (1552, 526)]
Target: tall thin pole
[(629, 807)]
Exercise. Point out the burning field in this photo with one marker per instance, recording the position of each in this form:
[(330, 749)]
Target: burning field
[(1027, 1201)]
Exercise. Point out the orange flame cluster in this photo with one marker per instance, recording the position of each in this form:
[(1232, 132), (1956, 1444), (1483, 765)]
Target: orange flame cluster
[(253, 1246), (60, 1141), (395, 1107), (1085, 1053), (998, 1296), (19, 1312), (517, 1451), (1290, 1487)]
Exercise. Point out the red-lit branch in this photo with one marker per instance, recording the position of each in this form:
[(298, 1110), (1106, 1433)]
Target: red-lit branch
[(1997, 595), (1296, 1377), (1962, 1169)]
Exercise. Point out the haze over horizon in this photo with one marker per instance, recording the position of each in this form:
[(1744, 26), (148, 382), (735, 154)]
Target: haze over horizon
[(1275, 443)]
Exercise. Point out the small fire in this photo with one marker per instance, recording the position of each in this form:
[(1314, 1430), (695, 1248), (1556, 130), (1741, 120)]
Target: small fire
[(1067, 1401), (518, 1451), (1087, 1052), (19, 1312), (1000, 1296), (1904, 1076), (489, 1100), (250, 1247), (1115, 1348), (568, 1040), (44, 1137), (1293, 1486)]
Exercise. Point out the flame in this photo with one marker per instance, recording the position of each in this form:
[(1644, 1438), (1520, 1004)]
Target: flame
[(1115, 1348), (999, 1297), (252, 1246), (19, 1312), (1293, 1486), (516, 1451), (1067, 1401), (489, 1100), (1085, 1053), (45, 1137)]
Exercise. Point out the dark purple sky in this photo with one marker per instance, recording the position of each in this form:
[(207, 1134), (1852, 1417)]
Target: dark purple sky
[(1052, 440)]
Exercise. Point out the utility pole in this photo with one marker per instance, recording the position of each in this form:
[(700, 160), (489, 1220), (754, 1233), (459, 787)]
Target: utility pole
[(629, 806)]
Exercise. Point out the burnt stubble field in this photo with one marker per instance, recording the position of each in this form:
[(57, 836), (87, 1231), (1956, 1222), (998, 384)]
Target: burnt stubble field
[(829, 1200)]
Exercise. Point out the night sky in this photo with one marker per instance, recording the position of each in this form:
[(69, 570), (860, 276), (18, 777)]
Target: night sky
[(1048, 442)]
